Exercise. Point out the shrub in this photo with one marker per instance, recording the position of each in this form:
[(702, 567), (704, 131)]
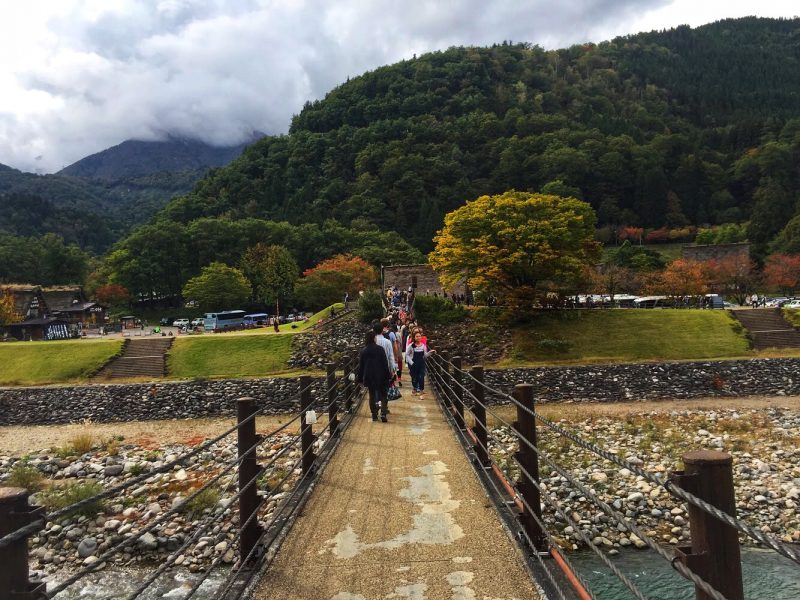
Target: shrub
[(205, 500), (58, 498), (82, 443), (432, 310), (370, 307), (24, 475)]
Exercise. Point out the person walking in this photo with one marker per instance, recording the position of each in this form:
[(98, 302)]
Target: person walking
[(374, 374), (416, 353)]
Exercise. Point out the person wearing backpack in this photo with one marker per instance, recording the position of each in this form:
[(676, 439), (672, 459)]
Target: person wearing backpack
[(374, 374)]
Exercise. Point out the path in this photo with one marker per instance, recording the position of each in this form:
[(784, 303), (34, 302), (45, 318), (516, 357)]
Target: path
[(398, 513)]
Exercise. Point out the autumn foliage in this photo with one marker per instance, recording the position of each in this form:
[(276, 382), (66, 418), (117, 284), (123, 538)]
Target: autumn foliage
[(112, 294), (782, 272), (327, 282), (8, 313)]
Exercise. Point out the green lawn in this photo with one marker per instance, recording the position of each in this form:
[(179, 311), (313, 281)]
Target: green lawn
[(37, 363), (229, 356), (792, 315), (323, 314), (626, 335)]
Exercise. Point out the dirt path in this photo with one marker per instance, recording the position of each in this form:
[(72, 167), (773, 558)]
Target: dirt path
[(17, 439)]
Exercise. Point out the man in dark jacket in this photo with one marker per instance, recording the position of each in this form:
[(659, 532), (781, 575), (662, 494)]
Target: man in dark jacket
[(373, 373)]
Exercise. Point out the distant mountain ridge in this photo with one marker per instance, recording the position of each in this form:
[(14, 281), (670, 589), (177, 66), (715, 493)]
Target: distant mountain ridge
[(134, 158), (99, 198)]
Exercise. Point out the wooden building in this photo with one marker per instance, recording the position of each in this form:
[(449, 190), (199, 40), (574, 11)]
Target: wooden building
[(70, 304)]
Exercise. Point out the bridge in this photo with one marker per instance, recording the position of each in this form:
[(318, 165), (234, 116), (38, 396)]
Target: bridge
[(424, 506)]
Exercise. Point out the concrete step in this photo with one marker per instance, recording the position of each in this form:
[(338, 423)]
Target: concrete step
[(140, 358)]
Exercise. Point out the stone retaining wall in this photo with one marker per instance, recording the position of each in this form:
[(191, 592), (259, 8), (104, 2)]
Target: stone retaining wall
[(147, 401), (651, 381), (597, 383)]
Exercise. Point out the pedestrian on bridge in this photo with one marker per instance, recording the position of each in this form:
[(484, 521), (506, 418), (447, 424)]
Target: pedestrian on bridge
[(374, 374), (416, 353)]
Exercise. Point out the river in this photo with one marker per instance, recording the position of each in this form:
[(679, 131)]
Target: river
[(767, 576)]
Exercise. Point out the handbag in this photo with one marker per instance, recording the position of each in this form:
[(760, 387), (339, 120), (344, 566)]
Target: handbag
[(393, 393)]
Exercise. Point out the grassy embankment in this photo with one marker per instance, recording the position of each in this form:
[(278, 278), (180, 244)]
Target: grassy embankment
[(626, 336), (38, 363), (792, 315), (229, 356)]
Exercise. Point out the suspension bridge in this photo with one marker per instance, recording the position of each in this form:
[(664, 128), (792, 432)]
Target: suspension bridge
[(418, 508)]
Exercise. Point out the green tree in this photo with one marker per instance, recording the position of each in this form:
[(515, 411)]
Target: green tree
[(218, 287), (515, 244), (272, 271)]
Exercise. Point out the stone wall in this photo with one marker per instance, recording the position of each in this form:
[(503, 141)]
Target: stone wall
[(426, 279), (653, 381), (705, 252), (147, 401)]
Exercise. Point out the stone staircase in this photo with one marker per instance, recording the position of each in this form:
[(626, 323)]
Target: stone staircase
[(141, 357), (768, 328)]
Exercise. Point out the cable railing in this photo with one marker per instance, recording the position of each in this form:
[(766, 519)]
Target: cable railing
[(715, 544), (260, 528)]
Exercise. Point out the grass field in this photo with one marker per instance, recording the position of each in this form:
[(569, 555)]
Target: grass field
[(229, 356), (792, 315), (37, 363), (626, 335)]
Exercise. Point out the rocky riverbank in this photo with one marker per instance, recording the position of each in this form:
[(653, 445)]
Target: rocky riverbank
[(765, 445), (66, 475)]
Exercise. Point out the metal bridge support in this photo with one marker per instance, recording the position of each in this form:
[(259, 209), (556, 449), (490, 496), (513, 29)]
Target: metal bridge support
[(714, 552), (333, 403), (529, 460), (15, 512), (442, 369), (249, 470), (479, 410), (307, 434), (458, 400)]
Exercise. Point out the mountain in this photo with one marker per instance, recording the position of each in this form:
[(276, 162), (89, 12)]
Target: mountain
[(95, 201), (133, 159), (662, 129)]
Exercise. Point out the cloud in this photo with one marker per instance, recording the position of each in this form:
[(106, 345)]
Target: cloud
[(77, 76)]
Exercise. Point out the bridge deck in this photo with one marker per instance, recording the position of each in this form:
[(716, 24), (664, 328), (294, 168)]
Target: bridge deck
[(398, 513)]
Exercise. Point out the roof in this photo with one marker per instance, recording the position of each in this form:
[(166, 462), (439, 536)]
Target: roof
[(36, 322), (76, 307), (61, 298), (27, 298)]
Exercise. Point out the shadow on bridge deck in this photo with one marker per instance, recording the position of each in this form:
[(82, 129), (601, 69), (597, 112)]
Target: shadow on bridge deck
[(398, 513)]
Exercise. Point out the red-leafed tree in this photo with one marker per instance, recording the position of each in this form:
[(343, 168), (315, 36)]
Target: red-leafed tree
[(328, 282), (633, 234), (782, 272), (682, 277), (734, 276), (112, 294)]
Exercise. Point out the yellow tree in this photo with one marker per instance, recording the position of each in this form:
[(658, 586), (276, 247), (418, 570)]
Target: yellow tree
[(516, 244), (8, 312)]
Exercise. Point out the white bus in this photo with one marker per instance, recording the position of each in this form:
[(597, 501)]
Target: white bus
[(220, 321)]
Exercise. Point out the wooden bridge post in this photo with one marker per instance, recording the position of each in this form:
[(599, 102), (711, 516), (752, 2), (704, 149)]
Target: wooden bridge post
[(479, 410), (15, 512), (714, 552), (333, 403), (306, 431), (529, 460), (458, 400), (249, 470)]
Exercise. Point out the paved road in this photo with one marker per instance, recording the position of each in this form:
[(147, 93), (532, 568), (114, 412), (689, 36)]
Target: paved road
[(398, 513)]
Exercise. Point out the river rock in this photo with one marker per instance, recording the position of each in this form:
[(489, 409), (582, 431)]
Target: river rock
[(87, 547)]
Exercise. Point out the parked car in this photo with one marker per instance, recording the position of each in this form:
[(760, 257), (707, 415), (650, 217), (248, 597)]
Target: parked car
[(166, 320), (180, 323), (198, 322), (792, 304)]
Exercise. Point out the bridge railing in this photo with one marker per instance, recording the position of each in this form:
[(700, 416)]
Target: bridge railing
[(711, 563), (338, 397)]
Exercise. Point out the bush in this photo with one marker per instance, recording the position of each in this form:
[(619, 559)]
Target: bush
[(82, 443), (205, 500), (432, 310), (370, 307), (24, 475), (58, 498)]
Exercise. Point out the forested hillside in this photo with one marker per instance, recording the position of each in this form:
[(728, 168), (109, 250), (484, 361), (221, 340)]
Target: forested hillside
[(663, 129)]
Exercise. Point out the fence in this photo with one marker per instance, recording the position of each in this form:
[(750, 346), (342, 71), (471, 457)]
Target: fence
[(711, 563), (339, 399)]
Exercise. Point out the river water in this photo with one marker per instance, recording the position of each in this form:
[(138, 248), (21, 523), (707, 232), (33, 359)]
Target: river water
[(767, 576)]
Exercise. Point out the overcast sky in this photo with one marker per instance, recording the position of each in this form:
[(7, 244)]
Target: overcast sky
[(78, 76)]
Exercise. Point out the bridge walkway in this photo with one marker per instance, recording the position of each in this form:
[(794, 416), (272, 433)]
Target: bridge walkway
[(398, 513)]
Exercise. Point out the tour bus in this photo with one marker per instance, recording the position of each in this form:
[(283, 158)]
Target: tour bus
[(220, 321)]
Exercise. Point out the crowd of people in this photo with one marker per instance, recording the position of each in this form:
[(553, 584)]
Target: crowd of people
[(388, 345)]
